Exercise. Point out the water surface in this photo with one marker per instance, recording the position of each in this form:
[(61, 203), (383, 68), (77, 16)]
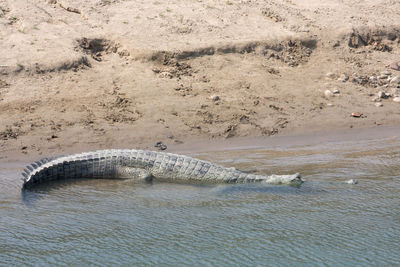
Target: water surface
[(114, 222)]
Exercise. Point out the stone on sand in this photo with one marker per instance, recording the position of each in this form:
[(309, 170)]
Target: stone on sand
[(330, 75), (395, 80), (395, 65), (328, 93)]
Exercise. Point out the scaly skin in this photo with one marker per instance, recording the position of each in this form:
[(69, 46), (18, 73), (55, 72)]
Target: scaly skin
[(142, 165)]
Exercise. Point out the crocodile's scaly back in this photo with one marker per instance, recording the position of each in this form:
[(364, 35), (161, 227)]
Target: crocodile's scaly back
[(123, 163)]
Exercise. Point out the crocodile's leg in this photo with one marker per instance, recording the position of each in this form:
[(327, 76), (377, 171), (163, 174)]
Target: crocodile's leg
[(134, 173)]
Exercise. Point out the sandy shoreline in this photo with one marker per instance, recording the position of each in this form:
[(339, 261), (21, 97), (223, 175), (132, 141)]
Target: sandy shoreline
[(104, 74), (215, 145)]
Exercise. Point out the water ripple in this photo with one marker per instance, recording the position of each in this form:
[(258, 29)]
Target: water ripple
[(323, 222)]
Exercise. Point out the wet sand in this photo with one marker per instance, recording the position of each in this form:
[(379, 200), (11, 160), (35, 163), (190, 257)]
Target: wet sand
[(193, 147)]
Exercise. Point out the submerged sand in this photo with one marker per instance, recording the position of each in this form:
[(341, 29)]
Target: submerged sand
[(78, 75)]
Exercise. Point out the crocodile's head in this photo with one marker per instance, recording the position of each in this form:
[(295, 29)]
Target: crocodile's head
[(291, 179)]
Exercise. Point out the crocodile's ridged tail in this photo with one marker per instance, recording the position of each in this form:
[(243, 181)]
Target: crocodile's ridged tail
[(162, 166)]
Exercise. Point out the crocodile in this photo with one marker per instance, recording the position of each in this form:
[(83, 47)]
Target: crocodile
[(142, 165)]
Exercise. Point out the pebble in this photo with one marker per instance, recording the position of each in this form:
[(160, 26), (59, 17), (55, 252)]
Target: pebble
[(336, 91), (396, 99), (215, 98), (383, 95), (376, 99), (395, 91), (395, 65), (356, 114), (395, 80), (386, 73), (378, 104), (373, 79), (382, 77), (329, 105), (330, 75), (161, 145), (343, 78), (328, 93), (352, 181)]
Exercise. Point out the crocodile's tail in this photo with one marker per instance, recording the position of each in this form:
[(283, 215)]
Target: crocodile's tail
[(33, 168), (75, 166)]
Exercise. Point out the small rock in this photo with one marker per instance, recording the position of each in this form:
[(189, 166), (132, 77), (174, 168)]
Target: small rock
[(343, 78), (383, 95), (215, 98), (329, 105), (376, 99), (373, 79), (166, 74), (336, 44), (3, 83), (330, 75), (395, 65), (336, 91), (328, 93), (396, 99), (395, 80), (161, 145), (395, 91), (378, 104), (352, 181), (382, 77), (356, 114), (386, 73)]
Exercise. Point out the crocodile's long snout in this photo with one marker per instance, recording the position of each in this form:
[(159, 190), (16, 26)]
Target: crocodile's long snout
[(291, 179)]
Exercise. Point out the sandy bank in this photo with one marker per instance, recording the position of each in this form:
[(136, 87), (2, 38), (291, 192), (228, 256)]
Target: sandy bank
[(104, 74)]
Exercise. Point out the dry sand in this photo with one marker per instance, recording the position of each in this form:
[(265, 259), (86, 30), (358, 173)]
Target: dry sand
[(77, 75)]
